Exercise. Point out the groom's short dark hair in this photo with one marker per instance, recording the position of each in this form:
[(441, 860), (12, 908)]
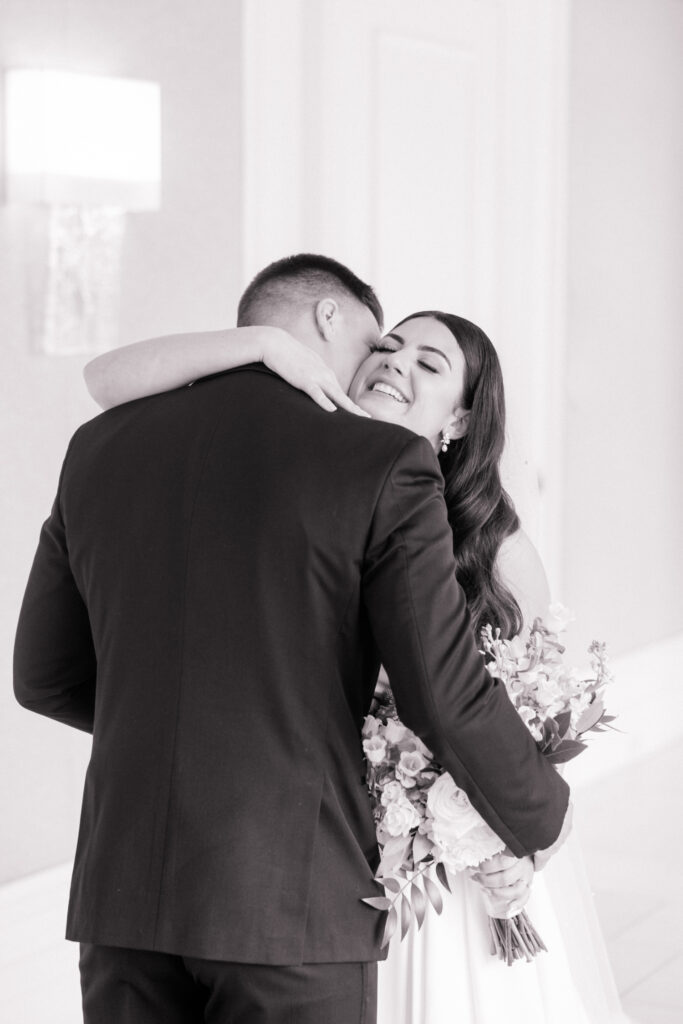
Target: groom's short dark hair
[(305, 277)]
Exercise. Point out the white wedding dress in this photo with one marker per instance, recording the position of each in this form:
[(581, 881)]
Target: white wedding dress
[(445, 974)]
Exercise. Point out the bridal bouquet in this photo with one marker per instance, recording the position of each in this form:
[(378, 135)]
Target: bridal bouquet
[(426, 825)]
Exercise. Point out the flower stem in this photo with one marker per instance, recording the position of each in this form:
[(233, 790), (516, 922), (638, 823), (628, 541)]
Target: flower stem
[(515, 939)]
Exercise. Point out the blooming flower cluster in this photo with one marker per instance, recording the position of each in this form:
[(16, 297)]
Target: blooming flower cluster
[(425, 823), (420, 813), (557, 703)]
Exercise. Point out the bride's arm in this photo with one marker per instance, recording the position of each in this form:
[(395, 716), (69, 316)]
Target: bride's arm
[(520, 568), (161, 364), (506, 880)]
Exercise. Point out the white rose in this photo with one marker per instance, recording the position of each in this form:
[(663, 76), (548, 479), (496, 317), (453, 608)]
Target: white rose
[(375, 748), (451, 809), (477, 845), (400, 818)]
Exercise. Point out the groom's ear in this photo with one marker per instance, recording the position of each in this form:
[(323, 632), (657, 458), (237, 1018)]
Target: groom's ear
[(327, 316)]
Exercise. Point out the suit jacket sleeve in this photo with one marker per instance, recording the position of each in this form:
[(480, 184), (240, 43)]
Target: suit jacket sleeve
[(442, 689), (54, 656)]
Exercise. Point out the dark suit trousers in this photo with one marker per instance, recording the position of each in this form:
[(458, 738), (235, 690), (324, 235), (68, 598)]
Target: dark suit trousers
[(130, 986)]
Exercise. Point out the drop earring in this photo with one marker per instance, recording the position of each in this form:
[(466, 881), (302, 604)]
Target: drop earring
[(445, 441)]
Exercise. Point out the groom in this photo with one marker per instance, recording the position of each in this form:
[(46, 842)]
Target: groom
[(222, 572)]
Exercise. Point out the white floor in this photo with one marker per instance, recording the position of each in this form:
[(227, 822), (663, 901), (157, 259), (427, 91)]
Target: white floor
[(632, 838), (38, 968)]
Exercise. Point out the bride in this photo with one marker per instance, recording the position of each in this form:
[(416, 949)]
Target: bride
[(438, 375)]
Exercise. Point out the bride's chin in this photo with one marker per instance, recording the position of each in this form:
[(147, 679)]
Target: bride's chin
[(382, 408), (366, 403), (379, 409)]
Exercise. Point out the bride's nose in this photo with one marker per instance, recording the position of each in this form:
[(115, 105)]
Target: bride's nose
[(396, 361)]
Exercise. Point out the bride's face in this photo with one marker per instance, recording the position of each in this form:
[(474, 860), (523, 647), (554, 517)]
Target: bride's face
[(415, 378)]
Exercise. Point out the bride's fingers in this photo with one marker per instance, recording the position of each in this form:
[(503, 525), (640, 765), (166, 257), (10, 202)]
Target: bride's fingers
[(520, 870), (501, 908), (318, 395), (515, 907), (501, 879), (509, 893), (506, 902), (329, 396), (344, 402), (499, 862), (497, 879)]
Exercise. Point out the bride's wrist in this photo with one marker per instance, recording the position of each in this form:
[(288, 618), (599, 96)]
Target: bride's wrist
[(271, 341)]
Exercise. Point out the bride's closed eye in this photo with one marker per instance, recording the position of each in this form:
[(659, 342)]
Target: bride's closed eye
[(383, 347)]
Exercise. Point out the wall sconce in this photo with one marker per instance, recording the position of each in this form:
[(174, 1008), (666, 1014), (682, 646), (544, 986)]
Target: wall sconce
[(88, 148)]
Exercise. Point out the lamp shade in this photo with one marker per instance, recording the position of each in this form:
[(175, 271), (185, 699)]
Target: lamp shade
[(82, 140)]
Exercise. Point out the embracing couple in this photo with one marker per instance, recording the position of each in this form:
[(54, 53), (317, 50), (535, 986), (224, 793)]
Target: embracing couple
[(224, 571)]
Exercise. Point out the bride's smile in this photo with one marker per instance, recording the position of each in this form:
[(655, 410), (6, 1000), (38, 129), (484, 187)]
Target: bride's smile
[(382, 387)]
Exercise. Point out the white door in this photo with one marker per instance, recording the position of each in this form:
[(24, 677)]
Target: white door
[(423, 144)]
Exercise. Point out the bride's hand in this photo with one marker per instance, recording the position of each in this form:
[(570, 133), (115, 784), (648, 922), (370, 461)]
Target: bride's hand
[(304, 369), (506, 883), (541, 857)]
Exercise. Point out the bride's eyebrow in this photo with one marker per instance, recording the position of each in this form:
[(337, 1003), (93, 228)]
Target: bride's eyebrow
[(422, 348), (429, 348)]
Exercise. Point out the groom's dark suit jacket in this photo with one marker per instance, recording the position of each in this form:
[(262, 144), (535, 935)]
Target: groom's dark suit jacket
[(223, 569)]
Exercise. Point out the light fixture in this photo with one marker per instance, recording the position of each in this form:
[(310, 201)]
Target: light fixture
[(89, 148)]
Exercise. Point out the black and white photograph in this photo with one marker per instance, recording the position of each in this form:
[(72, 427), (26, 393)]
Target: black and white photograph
[(341, 617)]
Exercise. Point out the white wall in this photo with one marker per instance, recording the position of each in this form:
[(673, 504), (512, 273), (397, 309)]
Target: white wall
[(624, 361), (182, 269)]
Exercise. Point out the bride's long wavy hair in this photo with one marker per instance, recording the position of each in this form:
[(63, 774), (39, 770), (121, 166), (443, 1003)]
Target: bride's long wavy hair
[(480, 512)]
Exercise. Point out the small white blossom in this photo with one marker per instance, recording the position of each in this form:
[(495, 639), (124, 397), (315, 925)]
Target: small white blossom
[(411, 762), (371, 725), (396, 732), (559, 617), (392, 792), (375, 749)]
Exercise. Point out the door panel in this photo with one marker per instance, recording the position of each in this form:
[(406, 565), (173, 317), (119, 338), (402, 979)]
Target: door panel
[(424, 146)]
